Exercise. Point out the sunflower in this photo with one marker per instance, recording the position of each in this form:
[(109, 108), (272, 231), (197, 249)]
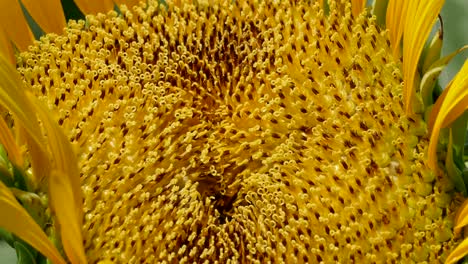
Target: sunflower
[(246, 131)]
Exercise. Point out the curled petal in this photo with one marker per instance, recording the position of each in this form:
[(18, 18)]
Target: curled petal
[(459, 252), (16, 220), (419, 21), (461, 219), (47, 14), (449, 106), (457, 109)]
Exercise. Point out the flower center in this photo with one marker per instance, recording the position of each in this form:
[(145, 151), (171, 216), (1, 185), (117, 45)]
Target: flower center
[(258, 131)]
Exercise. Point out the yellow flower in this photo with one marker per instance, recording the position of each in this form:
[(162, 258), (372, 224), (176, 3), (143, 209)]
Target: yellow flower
[(250, 131)]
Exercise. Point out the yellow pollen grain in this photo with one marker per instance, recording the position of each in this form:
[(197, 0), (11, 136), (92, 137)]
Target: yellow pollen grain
[(246, 132)]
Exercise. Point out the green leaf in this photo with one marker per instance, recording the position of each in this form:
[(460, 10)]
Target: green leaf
[(24, 254)]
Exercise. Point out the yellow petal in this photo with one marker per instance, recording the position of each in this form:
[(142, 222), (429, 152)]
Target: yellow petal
[(66, 198), (94, 7), (459, 252), (449, 106), (16, 220), (457, 110), (12, 21), (128, 3), (432, 151), (419, 21), (64, 185), (6, 47), (461, 219), (61, 192), (8, 141), (62, 153), (395, 21), (40, 161), (47, 14), (358, 6), (106, 262), (12, 97)]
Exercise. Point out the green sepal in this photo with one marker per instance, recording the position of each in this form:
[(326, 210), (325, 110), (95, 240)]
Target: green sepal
[(166, 6), (464, 260), (5, 168), (7, 237), (33, 204), (418, 101), (71, 10), (43, 260), (25, 253), (379, 10), (465, 175), (437, 91), (117, 9), (5, 177), (11, 175), (326, 8), (452, 170), (458, 132), (428, 83), (20, 181), (431, 52), (3, 152), (429, 78), (427, 113), (459, 128), (37, 31)]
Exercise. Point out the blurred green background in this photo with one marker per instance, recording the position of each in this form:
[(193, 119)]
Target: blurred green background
[(455, 17)]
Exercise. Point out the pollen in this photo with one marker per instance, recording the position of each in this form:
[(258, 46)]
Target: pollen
[(245, 131)]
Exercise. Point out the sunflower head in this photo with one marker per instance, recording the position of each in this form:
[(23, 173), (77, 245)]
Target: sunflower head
[(244, 132)]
